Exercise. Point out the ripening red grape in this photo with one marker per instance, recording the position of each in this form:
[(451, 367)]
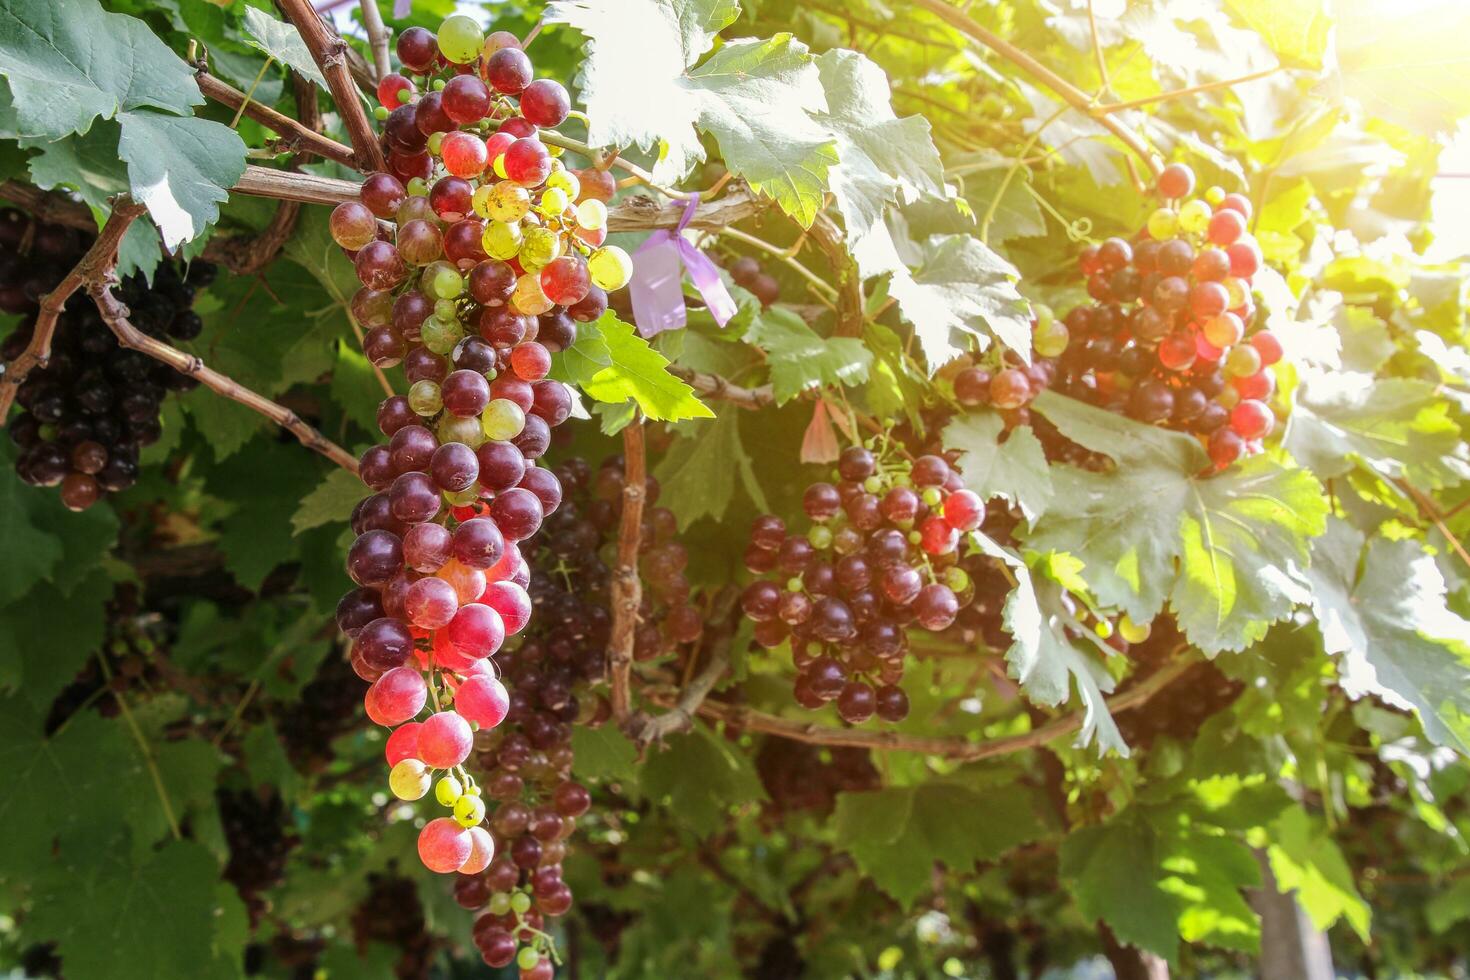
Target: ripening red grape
[(509, 70), (545, 102), (463, 154), (445, 741), (527, 162), (417, 49), (403, 743), (565, 280), (353, 225), (483, 700), (394, 90), (430, 603), (396, 696), (466, 99), (476, 630), (1176, 181), (444, 845), (383, 194)]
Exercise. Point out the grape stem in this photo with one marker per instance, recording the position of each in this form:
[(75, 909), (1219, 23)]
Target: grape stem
[(645, 729), (627, 591), (330, 54), (372, 20), (785, 255), (294, 135)]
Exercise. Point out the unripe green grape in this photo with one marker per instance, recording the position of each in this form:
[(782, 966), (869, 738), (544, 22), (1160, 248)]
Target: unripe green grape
[(527, 958), (1229, 396), (1103, 629), (956, 578), (915, 537), (502, 420), (538, 247), (504, 201), (1163, 223), (446, 309), (441, 280), (1242, 361), (440, 335), (1194, 217), (452, 428), (563, 179), (424, 398), (554, 201), (501, 240), (448, 790), (469, 811), (873, 483), (1214, 196), (499, 903), (592, 214), (794, 584), (820, 537), (463, 498), (932, 497), (418, 187), (520, 904), (1235, 289), (439, 84), (1050, 338), (610, 267), (436, 141), (380, 113), (528, 297), (460, 39), (409, 779), (498, 166), (1131, 631)]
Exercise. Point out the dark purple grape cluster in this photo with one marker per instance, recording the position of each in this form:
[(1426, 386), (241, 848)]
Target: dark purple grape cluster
[(748, 274), (94, 404), (798, 776), (882, 555), (392, 914), (329, 706), (257, 828)]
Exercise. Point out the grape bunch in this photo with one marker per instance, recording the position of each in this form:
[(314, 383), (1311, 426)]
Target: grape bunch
[(493, 255), (392, 914), (132, 640), (1171, 336), (94, 404), (257, 829), (882, 554), (748, 274)]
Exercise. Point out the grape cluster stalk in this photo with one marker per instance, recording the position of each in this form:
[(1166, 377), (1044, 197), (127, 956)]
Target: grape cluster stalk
[(1172, 336), (478, 252), (88, 411)]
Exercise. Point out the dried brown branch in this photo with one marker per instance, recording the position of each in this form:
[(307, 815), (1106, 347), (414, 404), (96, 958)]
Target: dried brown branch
[(330, 53), (294, 135), (644, 729), (283, 185), (958, 749), (49, 207), (372, 19), (98, 261), (627, 591), (115, 315)]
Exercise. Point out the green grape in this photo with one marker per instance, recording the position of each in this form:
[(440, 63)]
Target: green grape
[(446, 309), (452, 428), (1235, 289), (554, 201), (527, 958), (501, 240), (820, 537), (1194, 217), (460, 39), (409, 780), (463, 498), (436, 140), (1242, 361), (424, 398), (932, 497), (441, 280), (528, 297), (418, 187), (499, 903), (592, 214), (564, 180), (1163, 223), (381, 113), (440, 336), (469, 811), (439, 84), (873, 483), (956, 578), (1131, 631), (1050, 338), (610, 267), (447, 791), (502, 420), (538, 248), (498, 165), (506, 201), (520, 904), (1103, 629), (1215, 195)]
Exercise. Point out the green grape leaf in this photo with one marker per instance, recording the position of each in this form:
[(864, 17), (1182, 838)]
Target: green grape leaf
[(994, 189), (684, 472), (1305, 860), (45, 541), (1015, 470), (702, 775), (331, 502), (73, 626), (884, 159), (897, 834), (181, 168), (1205, 874), (283, 43), (1449, 907), (1398, 70), (612, 364), (962, 292), (68, 63), (802, 360), (1296, 30), (1225, 550), (604, 753), (1114, 874), (257, 538), (1400, 427), (1382, 609)]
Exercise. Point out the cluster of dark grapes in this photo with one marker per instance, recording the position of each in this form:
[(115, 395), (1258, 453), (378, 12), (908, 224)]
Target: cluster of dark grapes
[(329, 706), (1171, 336), (1181, 708), (798, 776), (392, 914), (882, 554), (257, 828), (494, 253), (130, 644), (748, 274), (94, 404)]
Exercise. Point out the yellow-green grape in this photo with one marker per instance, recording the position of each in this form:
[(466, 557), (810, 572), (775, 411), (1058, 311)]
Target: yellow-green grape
[(469, 811), (1162, 224), (498, 165), (1235, 289), (410, 779), (424, 398), (1242, 361), (463, 498), (507, 201), (1229, 396), (440, 336), (554, 201), (1215, 195), (538, 247), (563, 179), (499, 903), (501, 240), (480, 201), (418, 187), (446, 309), (502, 420), (528, 297), (520, 904), (1131, 631), (555, 151), (1050, 337), (1103, 629), (610, 267), (441, 280), (1194, 217), (452, 428), (436, 140), (592, 214), (447, 790), (460, 39)]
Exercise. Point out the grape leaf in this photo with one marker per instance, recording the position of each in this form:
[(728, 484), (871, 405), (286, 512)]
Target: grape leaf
[(603, 754), (73, 627), (283, 43), (181, 168), (67, 62), (611, 363), (962, 291), (331, 502), (1114, 873), (1382, 609), (897, 834), (43, 540), (1401, 72), (1305, 860), (801, 360), (1297, 30), (706, 448), (1226, 551), (1205, 875), (702, 775), (1015, 470)]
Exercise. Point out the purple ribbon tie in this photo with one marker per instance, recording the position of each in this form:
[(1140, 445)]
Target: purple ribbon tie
[(657, 287)]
